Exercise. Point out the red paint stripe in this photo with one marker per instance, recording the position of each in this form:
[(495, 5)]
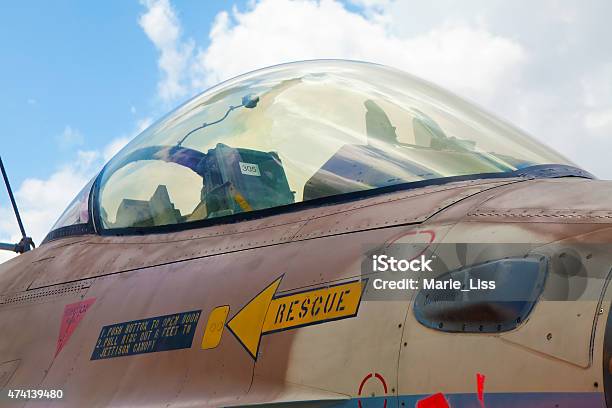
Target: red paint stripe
[(433, 401), (366, 378), (480, 381), (382, 380)]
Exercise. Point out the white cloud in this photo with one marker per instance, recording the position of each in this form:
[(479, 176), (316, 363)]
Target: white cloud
[(536, 75), (541, 65), (118, 143), (5, 255), (597, 100), (597, 86), (564, 93), (70, 138), (114, 146), (548, 74), (142, 124), (367, 4), (599, 120), (9, 231), (41, 201), (467, 59), (161, 25), (482, 63)]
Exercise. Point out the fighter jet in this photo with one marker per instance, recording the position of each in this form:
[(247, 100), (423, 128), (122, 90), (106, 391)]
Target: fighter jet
[(319, 234)]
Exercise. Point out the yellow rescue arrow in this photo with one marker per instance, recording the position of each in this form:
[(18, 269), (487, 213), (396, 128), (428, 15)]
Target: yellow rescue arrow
[(246, 324), (267, 313)]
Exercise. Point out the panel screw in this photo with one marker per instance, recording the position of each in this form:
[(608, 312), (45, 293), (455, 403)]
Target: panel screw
[(549, 336)]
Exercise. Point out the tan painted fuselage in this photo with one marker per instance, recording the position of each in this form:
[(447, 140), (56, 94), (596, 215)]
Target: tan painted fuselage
[(379, 355)]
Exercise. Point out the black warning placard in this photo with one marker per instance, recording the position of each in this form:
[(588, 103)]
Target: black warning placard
[(161, 333)]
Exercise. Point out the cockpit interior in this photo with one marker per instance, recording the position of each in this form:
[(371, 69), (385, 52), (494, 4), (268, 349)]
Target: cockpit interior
[(286, 135)]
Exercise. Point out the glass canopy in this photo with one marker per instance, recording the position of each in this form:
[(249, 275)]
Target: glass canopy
[(298, 132)]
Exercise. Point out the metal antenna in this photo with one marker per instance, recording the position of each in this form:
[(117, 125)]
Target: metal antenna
[(26, 242)]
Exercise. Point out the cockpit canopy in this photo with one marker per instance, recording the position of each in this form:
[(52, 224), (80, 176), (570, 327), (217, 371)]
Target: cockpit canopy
[(299, 132)]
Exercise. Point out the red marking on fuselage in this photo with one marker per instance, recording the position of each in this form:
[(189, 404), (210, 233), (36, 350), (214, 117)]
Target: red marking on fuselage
[(382, 380), (431, 233), (433, 401), (365, 379), (480, 381), (73, 313), (432, 238)]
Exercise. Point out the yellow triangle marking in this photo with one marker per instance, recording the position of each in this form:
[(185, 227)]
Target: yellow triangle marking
[(247, 324)]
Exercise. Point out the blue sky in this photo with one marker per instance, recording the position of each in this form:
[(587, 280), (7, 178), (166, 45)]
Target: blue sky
[(80, 79), (82, 65)]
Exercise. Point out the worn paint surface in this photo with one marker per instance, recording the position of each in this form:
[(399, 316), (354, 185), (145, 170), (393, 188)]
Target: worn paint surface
[(220, 270)]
